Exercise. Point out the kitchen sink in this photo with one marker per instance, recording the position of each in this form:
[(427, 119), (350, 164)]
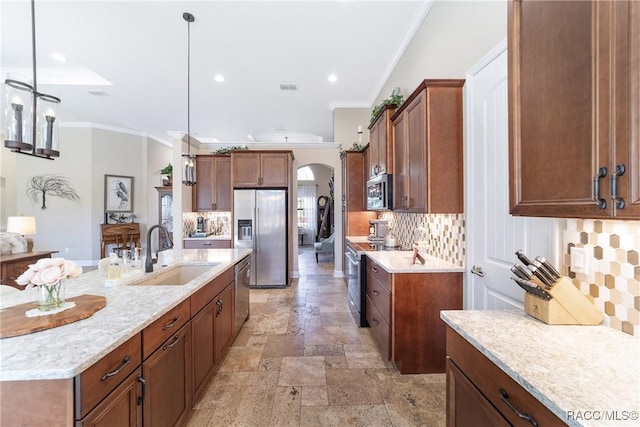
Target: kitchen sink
[(176, 276)]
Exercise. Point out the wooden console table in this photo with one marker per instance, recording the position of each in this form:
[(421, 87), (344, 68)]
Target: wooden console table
[(124, 236), (13, 265)]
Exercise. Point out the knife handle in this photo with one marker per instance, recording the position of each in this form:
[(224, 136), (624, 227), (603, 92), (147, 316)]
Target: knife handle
[(600, 202), (522, 257), (550, 268)]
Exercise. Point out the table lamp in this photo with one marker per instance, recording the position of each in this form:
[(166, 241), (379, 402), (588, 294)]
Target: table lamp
[(22, 225)]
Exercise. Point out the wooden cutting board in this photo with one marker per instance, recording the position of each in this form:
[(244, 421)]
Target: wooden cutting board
[(14, 322)]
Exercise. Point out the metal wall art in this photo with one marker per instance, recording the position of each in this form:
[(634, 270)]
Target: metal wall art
[(53, 185)]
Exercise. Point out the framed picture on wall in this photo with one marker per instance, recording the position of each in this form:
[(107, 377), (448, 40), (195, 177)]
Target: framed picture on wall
[(118, 193), (118, 217)]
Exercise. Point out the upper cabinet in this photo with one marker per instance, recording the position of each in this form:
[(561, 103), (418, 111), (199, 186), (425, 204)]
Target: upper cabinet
[(254, 169), (381, 143), (574, 108), (212, 191), (428, 163)]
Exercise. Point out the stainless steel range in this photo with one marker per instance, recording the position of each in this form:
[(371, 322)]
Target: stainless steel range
[(356, 276)]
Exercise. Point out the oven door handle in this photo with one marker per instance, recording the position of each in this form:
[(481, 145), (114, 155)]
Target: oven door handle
[(352, 259)]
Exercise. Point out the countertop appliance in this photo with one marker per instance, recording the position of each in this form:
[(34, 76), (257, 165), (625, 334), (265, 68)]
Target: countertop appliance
[(260, 218), (378, 230), (380, 193), (243, 278)]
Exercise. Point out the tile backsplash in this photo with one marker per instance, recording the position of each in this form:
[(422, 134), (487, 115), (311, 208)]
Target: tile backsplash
[(442, 234), (218, 223), (612, 277)]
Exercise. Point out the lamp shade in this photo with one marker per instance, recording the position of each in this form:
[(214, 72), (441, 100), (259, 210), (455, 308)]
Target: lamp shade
[(21, 224)]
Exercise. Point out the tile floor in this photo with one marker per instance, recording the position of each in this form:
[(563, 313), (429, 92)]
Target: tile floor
[(301, 361)]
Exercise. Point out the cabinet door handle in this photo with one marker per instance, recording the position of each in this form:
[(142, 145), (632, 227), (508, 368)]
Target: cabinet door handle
[(601, 203), (144, 389), (619, 171), (375, 270), (505, 398), (172, 343), (124, 363), (207, 244), (375, 322), (170, 325), (405, 202), (375, 293)]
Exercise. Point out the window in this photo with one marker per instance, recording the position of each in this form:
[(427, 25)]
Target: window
[(305, 174)]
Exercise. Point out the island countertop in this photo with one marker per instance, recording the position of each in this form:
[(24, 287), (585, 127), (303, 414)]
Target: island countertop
[(401, 261), (68, 350), (577, 372)]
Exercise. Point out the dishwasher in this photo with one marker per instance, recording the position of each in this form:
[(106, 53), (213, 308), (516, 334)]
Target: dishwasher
[(242, 276)]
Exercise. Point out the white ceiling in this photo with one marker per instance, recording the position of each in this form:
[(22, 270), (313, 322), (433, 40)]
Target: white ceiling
[(139, 51)]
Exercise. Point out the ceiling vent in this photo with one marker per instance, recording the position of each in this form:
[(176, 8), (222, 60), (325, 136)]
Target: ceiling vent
[(288, 86), (98, 92)]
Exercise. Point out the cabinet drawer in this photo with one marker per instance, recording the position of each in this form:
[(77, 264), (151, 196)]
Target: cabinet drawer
[(490, 380), (207, 244), (383, 276), (205, 294), (379, 296), (156, 333), (97, 381), (14, 270), (380, 330)]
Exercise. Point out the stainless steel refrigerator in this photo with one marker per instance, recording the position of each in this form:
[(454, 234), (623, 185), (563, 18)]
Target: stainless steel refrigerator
[(260, 221)]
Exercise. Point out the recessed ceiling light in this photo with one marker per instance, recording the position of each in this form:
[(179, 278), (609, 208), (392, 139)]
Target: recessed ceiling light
[(59, 57), (219, 78), (333, 78)]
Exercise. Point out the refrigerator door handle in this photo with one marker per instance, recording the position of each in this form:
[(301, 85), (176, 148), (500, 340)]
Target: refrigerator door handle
[(257, 229)]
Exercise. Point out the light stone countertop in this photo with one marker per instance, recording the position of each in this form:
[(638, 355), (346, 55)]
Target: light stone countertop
[(211, 237), (572, 370), (68, 350), (400, 261)]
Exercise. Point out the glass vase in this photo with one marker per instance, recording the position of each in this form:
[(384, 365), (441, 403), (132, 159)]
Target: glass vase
[(51, 297)]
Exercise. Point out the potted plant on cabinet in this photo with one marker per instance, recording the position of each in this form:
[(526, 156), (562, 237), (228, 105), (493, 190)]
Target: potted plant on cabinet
[(168, 172)]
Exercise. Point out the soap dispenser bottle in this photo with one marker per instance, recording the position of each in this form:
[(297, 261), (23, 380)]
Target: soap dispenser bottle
[(113, 271)]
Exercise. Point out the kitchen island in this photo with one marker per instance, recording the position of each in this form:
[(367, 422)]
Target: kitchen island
[(62, 356), (581, 375)]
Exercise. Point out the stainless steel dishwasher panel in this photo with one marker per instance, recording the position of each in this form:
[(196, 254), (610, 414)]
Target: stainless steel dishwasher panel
[(243, 278)]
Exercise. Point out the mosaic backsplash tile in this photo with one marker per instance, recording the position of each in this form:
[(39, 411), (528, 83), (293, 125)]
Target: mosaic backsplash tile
[(218, 223), (442, 234), (612, 277)]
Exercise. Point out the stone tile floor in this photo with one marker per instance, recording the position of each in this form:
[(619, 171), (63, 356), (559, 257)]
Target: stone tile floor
[(301, 360)]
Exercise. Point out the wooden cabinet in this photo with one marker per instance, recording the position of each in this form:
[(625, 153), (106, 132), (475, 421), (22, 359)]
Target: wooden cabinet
[(122, 408), (355, 219), (254, 169), (122, 236), (397, 302), (428, 157), (381, 143), (212, 191), (479, 393), (574, 120), (167, 376), (13, 265), (207, 244), (210, 329)]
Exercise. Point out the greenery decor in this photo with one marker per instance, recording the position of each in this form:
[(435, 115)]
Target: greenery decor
[(354, 147), (395, 100), (168, 170), (227, 150)]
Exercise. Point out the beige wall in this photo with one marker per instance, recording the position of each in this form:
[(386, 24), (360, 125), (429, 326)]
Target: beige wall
[(345, 125)]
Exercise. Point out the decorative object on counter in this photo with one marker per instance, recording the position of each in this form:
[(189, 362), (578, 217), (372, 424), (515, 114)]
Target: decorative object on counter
[(49, 274), (21, 225), (395, 100), (417, 255), (113, 270), (189, 169), (168, 172), (54, 185), (18, 118), (118, 218), (550, 297), (226, 151), (118, 193)]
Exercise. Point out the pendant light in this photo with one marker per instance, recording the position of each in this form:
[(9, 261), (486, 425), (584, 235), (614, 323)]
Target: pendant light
[(24, 122), (189, 168)]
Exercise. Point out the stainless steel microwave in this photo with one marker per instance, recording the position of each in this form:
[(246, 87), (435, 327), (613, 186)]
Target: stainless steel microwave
[(379, 193)]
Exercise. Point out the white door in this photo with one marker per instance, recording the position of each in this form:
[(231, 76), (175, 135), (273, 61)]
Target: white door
[(493, 236)]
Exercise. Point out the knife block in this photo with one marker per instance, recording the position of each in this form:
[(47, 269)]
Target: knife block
[(568, 306)]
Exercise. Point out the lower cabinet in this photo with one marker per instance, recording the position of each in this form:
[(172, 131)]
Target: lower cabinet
[(224, 322), (167, 381), (122, 407), (203, 349), (479, 393)]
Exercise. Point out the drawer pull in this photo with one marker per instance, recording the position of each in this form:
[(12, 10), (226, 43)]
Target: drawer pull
[(375, 270), (172, 343), (171, 325), (505, 398), (124, 363), (375, 322), (375, 293)]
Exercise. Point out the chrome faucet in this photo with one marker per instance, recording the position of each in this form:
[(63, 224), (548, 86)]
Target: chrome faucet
[(148, 262)]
